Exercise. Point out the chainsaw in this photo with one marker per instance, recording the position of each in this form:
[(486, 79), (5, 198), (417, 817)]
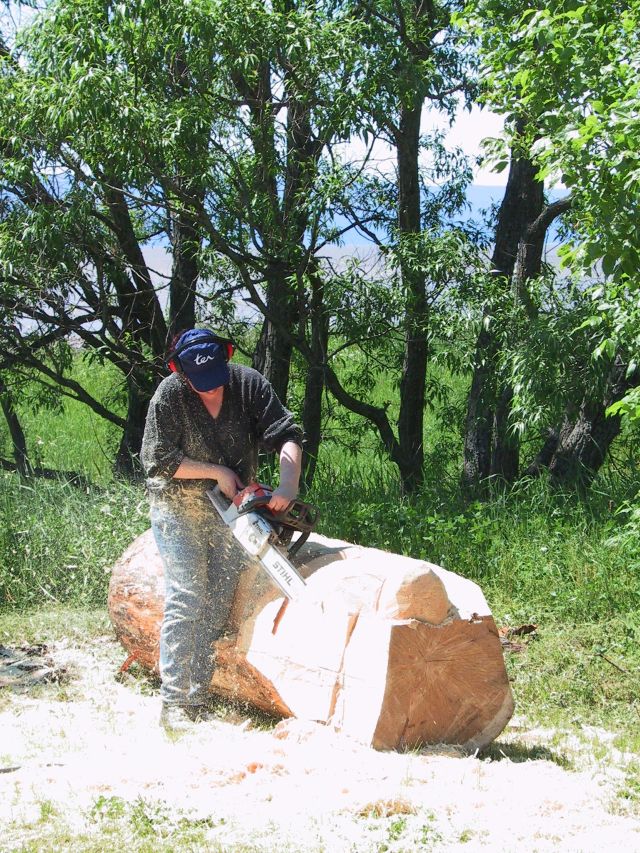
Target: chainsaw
[(267, 536)]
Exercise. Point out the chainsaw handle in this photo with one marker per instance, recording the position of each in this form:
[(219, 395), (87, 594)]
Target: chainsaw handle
[(259, 502)]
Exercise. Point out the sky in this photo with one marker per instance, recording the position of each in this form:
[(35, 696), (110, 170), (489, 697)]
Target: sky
[(467, 133), (469, 129)]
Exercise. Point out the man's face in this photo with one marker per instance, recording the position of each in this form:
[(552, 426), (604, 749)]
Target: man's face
[(214, 394)]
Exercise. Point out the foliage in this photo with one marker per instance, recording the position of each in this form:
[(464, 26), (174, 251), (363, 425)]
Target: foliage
[(571, 69), (182, 84), (220, 131), (547, 352), (200, 126)]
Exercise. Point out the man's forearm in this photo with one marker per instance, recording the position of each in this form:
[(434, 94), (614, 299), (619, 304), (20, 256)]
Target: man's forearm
[(290, 466), (191, 469), (227, 479)]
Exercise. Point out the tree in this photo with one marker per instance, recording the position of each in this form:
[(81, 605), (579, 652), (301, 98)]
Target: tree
[(414, 61), (215, 125), (71, 256), (419, 63), (569, 69), (164, 121), (491, 445)]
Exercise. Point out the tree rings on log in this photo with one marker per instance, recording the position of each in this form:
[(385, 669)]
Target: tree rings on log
[(396, 652)]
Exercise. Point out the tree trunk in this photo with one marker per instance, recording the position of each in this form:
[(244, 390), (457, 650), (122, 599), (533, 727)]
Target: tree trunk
[(582, 447), (488, 447), (314, 386), (584, 441), (479, 421), (16, 432), (273, 352), (185, 243), (412, 383), (543, 457), (396, 652), (504, 444), (139, 392), (141, 313)]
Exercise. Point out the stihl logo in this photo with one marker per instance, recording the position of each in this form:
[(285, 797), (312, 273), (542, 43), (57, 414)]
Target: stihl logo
[(282, 571), (203, 359)]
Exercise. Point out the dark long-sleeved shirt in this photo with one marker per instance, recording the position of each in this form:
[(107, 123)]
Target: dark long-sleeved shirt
[(178, 425)]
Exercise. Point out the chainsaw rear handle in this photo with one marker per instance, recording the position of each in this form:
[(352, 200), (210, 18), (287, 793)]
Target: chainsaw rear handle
[(299, 515)]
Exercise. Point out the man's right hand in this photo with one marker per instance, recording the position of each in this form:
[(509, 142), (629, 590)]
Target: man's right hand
[(228, 481)]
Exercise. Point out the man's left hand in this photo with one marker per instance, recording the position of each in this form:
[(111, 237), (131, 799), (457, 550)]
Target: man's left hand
[(281, 498)]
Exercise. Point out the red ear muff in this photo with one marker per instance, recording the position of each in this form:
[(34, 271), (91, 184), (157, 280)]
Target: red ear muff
[(173, 367), (230, 349)]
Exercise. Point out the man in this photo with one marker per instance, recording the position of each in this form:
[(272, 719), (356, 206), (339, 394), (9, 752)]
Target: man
[(205, 425)]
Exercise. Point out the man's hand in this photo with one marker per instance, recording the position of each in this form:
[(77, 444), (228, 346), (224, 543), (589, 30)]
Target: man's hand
[(287, 491), (228, 481), (281, 498)]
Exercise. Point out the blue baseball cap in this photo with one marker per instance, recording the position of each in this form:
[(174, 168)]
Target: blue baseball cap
[(203, 359)]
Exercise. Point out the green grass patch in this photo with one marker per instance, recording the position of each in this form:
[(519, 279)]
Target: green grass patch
[(65, 434), (629, 791), (58, 542), (76, 625), (582, 674), (113, 823)]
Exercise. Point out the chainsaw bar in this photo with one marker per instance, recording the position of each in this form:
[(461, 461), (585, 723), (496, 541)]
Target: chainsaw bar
[(258, 538)]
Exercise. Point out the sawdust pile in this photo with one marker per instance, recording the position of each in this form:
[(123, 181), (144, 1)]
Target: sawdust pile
[(296, 786)]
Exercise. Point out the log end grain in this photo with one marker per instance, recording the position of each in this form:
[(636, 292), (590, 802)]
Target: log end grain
[(394, 651)]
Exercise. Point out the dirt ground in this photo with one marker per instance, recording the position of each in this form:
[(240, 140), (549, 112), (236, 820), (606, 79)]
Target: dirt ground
[(88, 748)]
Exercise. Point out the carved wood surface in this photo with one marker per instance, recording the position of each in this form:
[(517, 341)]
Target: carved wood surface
[(394, 651)]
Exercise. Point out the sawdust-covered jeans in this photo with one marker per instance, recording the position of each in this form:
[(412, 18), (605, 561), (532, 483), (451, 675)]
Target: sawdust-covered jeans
[(201, 570)]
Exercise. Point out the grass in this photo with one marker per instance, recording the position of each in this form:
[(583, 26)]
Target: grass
[(67, 435), (630, 788), (536, 554), (140, 826), (571, 567), (577, 675), (58, 542), (77, 625)]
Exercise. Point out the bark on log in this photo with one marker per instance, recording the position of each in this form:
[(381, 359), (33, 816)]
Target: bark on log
[(394, 651)]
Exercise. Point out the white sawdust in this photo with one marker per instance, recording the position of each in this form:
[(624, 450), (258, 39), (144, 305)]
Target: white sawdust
[(300, 786)]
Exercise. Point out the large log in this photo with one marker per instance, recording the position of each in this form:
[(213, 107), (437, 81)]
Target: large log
[(397, 652)]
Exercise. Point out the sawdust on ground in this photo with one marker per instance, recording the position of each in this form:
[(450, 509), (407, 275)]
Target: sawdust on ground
[(295, 786)]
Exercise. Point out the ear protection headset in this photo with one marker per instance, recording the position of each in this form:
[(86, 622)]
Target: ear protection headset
[(173, 359)]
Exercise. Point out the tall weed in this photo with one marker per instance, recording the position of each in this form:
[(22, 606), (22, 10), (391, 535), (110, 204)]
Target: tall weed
[(58, 542), (535, 552)]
